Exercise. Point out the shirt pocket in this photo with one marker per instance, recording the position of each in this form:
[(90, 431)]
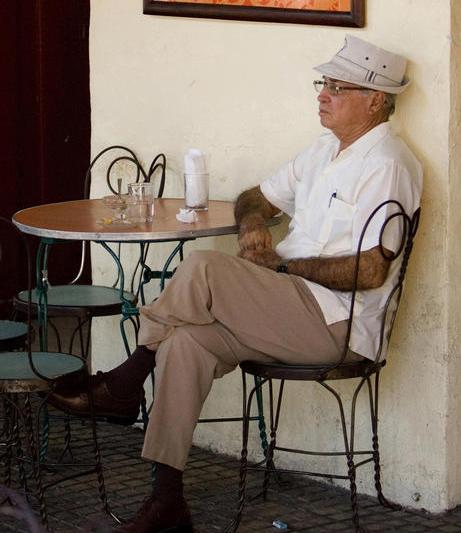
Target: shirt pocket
[(336, 231)]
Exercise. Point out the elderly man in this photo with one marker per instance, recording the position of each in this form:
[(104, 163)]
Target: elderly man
[(289, 304)]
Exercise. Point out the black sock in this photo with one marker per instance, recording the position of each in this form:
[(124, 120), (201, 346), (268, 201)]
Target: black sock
[(168, 482), (127, 379)]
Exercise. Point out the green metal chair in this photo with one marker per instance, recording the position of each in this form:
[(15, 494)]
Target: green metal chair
[(87, 301), (84, 302), (366, 372), (25, 376)]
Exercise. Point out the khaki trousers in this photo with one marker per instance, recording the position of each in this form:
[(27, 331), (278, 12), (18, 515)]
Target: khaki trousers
[(217, 311)]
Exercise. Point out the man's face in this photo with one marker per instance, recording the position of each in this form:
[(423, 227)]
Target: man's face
[(346, 112)]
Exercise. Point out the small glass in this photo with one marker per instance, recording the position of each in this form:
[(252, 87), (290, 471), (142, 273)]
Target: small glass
[(196, 187), (142, 201), (119, 203)]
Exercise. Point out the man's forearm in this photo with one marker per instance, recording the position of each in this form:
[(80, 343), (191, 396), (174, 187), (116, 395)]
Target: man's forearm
[(252, 210), (252, 207), (338, 272)]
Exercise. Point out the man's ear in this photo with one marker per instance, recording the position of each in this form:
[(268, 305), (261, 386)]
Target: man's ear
[(377, 102)]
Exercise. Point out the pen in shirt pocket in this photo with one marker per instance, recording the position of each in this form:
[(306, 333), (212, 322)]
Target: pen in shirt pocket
[(333, 195)]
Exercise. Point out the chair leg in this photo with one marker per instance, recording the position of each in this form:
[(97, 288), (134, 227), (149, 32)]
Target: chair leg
[(44, 433), (4, 419), (246, 412), (261, 421), (99, 472), (17, 445), (274, 423), (98, 463), (375, 443), (351, 471), (35, 459), (9, 421), (88, 339), (84, 343), (13, 444), (67, 441), (56, 332), (134, 322), (349, 448), (270, 467)]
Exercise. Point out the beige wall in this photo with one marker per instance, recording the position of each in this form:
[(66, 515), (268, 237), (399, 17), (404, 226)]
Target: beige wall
[(454, 260), (242, 92)]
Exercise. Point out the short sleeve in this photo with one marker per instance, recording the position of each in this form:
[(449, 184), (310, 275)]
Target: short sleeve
[(280, 188)]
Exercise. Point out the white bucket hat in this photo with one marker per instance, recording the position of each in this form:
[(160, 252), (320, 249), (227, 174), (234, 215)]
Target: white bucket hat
[(367, 65)]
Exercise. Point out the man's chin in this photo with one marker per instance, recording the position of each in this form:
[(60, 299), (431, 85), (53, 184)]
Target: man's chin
[(324, 120)]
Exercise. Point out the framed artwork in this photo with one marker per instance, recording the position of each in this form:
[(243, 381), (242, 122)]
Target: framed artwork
[(325, 12)]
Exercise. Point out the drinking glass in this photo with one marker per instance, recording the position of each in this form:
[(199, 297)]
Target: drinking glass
[(142, 201)]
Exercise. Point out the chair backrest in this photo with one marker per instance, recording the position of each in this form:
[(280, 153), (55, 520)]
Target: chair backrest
[(126, 155), (125, 164), (407, 227)]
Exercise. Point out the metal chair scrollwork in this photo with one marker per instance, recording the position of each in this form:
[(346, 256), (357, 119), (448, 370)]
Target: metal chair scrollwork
[(324, 375), (82, 301), (26, 379)]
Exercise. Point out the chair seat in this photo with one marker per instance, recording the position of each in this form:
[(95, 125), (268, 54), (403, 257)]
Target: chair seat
[(16, 375), (93, 300), (310, 372), (13, 335)]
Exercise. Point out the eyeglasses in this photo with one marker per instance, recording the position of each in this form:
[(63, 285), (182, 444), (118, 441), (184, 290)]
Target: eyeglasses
[(333, 88)]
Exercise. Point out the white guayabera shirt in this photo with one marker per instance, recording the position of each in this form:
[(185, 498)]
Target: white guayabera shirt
[(329, 198)]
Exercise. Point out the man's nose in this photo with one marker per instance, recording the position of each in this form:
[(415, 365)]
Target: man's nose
[(324, 95)]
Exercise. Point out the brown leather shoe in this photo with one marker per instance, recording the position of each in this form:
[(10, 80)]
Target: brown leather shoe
[(73, 382), (73, 399), (157, 516)]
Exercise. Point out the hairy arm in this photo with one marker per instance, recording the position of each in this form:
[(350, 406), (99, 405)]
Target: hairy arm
[(338, 272), (332, 272), (252, 211)]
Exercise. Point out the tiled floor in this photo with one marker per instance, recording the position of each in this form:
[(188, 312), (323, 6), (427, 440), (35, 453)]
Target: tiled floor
[(211, 489)]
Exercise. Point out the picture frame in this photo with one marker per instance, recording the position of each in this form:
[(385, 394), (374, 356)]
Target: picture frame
[(327, 12)]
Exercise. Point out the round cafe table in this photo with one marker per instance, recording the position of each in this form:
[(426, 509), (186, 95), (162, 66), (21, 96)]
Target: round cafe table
[(84, 220), (90, 220)]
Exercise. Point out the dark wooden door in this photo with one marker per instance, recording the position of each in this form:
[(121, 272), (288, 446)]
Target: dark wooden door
[(44, 117)]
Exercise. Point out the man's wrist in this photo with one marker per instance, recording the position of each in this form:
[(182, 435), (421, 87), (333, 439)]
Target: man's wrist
[(251, 221), (282, 267)]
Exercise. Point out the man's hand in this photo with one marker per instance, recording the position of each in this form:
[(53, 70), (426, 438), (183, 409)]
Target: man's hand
[(264, 257), (254, 235), (252, 211)]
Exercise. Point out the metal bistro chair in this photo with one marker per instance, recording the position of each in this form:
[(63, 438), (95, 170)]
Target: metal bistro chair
[(23, 374), (323, 375), (87, 301), (80, 301)]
